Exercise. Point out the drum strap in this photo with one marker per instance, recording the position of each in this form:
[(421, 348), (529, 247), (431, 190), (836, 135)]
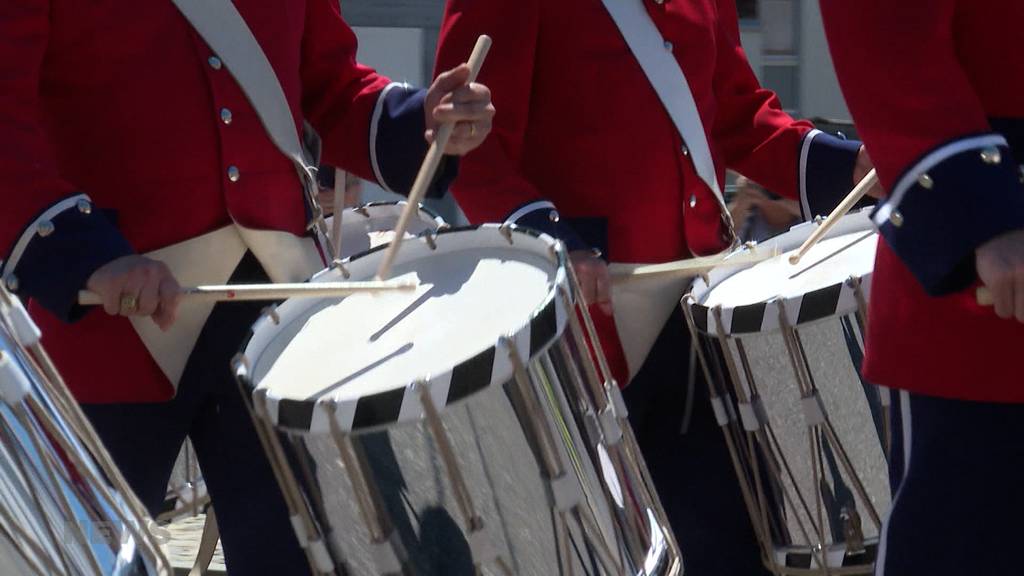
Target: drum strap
[(225, 31), (668, 80)]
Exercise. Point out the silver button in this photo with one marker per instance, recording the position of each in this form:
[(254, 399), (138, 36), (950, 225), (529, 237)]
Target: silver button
[(225, 115), (233, 173), (84, 206), (44, 228), (553, 216), (693, 200), (896, 218), (215, 63), (685, 150), (669, 46), (12, 282), (926, 181), (991, 156)]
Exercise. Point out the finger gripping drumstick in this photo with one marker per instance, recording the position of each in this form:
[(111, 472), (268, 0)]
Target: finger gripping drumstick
[(430, 165), (984, 297), (845, 206), (251, 292)]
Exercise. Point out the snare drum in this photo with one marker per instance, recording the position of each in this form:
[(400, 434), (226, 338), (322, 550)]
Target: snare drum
[(64, 510), (371, 225), (781, 346), (455, 429)]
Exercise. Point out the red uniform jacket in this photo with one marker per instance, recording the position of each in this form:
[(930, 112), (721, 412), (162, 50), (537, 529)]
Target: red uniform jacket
[(120, 131), (935, 89), (580, 127)]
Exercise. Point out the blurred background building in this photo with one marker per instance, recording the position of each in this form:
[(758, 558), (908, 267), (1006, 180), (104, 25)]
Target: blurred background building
[(784, 41)]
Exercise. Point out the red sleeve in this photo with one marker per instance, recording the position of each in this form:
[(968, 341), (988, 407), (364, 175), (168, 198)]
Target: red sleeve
[(339, 95), (953, 182), (754, 135), (491, 185), (899, 73), (29, 181)]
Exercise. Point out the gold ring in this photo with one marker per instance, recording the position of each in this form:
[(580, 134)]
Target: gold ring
[(129, 304)]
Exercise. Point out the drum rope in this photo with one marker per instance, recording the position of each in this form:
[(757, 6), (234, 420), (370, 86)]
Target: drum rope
[(133, 525), (23, 414), (627, 450), (62, 553), (765, 439), (7, 530), (727, 431), (833, 438), (289, 484)]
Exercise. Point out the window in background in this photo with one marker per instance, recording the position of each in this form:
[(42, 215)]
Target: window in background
[(747, 9)]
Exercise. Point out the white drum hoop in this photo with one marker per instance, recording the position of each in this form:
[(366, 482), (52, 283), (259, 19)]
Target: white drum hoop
[(401, 404)]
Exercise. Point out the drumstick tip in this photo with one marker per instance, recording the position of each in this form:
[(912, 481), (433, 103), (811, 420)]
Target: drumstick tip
[(794, 259)]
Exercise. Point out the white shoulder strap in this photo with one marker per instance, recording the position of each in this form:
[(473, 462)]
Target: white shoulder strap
[(227, 34), (668, 80)]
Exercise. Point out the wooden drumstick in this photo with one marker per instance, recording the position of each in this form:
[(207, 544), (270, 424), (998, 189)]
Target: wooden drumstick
[(340, 182), (690, 267), (845, 206), (250, 292), (430, 165)]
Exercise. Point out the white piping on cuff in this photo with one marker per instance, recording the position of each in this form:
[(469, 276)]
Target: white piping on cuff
[(930, 161), (805, 152), (31, 230), (531, 207), (378, 111)]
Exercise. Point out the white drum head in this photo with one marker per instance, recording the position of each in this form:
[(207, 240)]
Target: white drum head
[(358, 357), (749, 299)]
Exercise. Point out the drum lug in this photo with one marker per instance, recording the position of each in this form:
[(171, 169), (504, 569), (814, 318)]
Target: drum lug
[(593, 426), (339, 265), (506, 230), (618, 402), (271, 313), (14, 386), (610, 427)]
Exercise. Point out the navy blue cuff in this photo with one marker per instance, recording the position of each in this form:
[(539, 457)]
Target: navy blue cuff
[(397, 144), (542, 216), (946, 206), (58, 252), (826, 173)]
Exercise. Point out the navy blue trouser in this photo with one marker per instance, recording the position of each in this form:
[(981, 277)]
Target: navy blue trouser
[(959, 506), (691, 469), (144, 440)]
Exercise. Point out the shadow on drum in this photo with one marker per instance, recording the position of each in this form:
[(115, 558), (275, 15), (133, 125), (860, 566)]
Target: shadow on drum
[(443, 281)]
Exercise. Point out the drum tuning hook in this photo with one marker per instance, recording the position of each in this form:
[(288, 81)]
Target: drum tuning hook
[(506, 231), (271, 313), (431, 240)]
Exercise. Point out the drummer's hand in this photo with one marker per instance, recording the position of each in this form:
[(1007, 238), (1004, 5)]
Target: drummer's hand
[(861, 169), (147, 282), (451, 100), (595, 283), (1000, 264)]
